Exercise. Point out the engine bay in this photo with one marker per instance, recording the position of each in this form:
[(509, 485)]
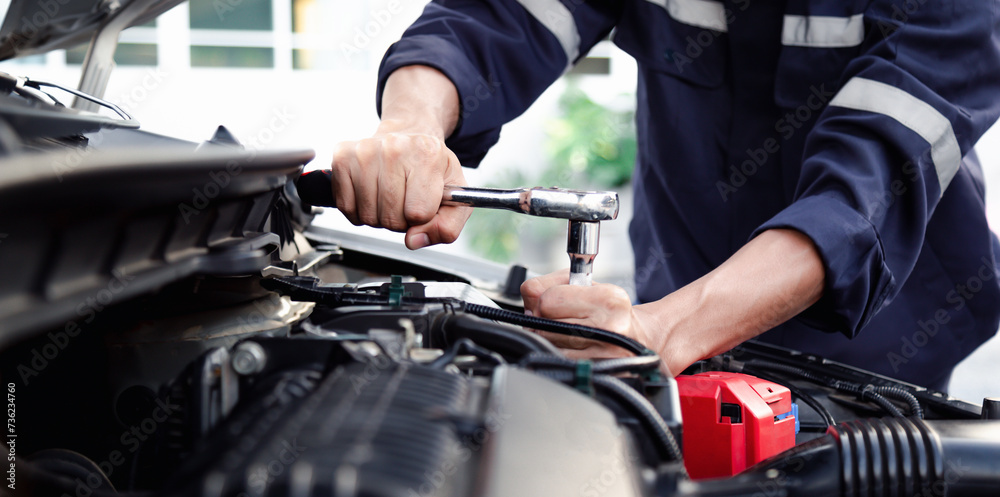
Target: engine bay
[(172, 324), (344, 371)]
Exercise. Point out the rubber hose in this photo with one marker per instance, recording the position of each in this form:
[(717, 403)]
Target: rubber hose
[(511, 342), (664, 439), (627, 364), (559, 327), (898, 457), (646, 412)]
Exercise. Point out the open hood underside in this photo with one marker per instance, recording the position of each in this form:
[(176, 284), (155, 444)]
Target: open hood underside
[(38, 26)]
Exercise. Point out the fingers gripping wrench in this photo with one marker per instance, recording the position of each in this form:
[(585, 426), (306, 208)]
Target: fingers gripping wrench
[(584, 210)]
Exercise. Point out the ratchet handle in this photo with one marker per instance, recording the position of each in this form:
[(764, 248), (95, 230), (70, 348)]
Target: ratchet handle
[(488, 198), (316, 188), (584, 210)]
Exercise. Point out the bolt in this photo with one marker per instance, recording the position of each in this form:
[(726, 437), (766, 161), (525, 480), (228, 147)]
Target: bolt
[(248, 358)]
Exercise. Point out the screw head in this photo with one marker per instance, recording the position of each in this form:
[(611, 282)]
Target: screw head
[(248, 358)]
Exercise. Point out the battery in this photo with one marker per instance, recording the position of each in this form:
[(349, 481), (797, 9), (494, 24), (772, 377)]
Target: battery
[(733, 421)]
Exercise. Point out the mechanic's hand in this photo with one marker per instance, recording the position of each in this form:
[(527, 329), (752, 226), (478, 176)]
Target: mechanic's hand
[(600, 306), (395, 180)]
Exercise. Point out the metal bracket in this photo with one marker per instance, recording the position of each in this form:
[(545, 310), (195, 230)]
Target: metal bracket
[(304, 263), (100, 59)]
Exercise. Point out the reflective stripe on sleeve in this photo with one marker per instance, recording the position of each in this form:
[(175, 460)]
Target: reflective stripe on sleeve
[(823, 31), (701, 13), (880, 98), (559, 21)]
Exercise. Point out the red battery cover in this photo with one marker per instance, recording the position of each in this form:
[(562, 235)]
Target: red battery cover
[(731, 422)]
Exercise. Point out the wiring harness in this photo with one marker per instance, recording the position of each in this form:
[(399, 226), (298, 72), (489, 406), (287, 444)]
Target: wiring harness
[(877, 394), (596, 375)]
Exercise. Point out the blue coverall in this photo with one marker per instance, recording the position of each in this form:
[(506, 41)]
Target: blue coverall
[(852, 121)]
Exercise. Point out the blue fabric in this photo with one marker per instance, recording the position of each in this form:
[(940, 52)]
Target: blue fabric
[(736, 137)]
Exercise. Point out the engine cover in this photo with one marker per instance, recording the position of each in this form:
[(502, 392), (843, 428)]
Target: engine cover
[(401, 429)]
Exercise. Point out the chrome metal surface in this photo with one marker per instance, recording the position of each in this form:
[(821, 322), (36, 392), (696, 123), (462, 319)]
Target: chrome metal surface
[(304, 263), (575, 205), (582, 278), (582, 245), (583, 209)]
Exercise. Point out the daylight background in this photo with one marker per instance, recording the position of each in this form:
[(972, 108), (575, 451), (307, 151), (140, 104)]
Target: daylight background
[(301, 73)]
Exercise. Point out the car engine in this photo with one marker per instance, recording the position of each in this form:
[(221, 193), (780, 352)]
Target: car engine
[(178, 338), (172, 323)]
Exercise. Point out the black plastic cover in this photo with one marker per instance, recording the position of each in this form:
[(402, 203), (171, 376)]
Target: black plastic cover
[(84, 228)]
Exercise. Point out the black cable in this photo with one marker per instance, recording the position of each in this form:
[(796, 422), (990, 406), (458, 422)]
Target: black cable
[(507, 340), (809, 400), (632, 401), (867, 392), (559, 327), (815, 404), (564, 370), (645, 410), (902, 395), (792, 370), (103, 103), (37, 95), (464, 345), (307, 290), (28, 87)]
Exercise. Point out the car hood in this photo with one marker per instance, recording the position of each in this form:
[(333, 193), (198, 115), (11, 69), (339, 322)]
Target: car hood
[(38, 26)]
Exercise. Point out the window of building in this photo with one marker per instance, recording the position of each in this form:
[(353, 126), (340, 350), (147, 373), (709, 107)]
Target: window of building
[(231, 14), (208, 56), (281, 34), (232, 33), (127, 54)]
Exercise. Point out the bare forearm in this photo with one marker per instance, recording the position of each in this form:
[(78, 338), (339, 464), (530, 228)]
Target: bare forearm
[(771, 279), (419, 99)]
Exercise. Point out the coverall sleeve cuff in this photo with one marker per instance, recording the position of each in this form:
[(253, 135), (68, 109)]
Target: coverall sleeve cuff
[(857, 279), (452, 62)]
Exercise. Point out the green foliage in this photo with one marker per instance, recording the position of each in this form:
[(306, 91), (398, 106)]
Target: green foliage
[(589, 147), (591, 141), (498, 235)]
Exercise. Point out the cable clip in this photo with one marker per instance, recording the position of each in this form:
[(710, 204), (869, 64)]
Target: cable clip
[(583, 379), (866, 392), (396, 291)]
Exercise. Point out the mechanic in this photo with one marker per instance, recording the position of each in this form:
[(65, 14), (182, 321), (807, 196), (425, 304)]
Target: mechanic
[(807, 159)]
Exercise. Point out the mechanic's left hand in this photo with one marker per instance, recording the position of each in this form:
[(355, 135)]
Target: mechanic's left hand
[(601, 306)]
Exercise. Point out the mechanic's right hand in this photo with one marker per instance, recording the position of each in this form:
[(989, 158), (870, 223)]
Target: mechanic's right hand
[(395, 180)]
